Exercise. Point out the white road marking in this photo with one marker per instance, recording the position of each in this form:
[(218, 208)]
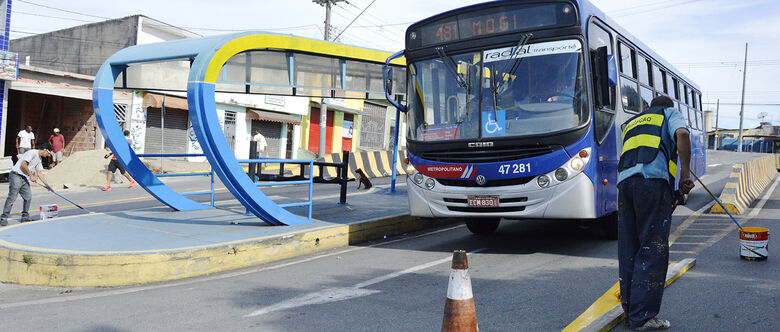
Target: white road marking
[(70, 298), (340, 294), (756, 210), (714, 165)]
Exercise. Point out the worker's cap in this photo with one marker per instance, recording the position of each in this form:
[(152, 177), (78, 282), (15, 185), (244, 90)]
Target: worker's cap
[(56, 130)]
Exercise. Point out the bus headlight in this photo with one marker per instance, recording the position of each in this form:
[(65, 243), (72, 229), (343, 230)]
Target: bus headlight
[(410, 169), (429, 184), (543, 181), (561, 174), (577, 164), (417, 178)]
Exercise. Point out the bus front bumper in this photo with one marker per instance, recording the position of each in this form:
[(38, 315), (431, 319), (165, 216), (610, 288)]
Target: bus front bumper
[(572, 199)]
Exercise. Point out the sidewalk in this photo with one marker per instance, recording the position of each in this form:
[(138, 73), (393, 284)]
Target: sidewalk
[(153, 245)]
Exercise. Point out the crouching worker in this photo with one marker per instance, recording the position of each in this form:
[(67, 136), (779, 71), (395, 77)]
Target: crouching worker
[(652, 142), (114, 165), (27, 168)]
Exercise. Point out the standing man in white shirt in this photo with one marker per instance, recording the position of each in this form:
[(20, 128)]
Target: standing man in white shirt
[(262, 145), (29, 166), (25, 140)]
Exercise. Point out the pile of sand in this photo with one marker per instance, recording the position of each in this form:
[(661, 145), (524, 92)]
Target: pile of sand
[(84, 168)]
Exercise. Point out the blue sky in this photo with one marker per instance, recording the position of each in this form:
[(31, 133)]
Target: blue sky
[(704, 38)]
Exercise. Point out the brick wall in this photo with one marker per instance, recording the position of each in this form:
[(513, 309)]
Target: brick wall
[(74, 117)]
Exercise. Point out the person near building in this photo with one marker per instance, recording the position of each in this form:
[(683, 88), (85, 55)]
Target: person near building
[(652, 143), (25, 140), (57, 142), (262, 145), (114, 165), (28, 168)]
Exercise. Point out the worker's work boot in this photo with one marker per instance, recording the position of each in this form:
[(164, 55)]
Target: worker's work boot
[(26, 218), (654, 324), (3, 222)]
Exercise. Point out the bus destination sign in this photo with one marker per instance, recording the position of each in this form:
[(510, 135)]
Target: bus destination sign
[(492, 21)]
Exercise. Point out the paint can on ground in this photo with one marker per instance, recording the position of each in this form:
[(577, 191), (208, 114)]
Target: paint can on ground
[(754, 243), (49, 211)]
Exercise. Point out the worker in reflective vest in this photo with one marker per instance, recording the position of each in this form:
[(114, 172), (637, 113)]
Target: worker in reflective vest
[(648, 167)]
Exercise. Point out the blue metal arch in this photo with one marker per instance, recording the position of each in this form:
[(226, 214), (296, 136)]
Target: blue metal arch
[(202, 110)]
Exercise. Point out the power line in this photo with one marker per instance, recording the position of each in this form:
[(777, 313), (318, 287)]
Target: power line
[(394, 40), (374, 32), (63, 10), (642, 9), (50, 16)]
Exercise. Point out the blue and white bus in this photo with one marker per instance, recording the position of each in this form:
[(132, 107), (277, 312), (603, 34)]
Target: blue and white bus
[(514, 111)]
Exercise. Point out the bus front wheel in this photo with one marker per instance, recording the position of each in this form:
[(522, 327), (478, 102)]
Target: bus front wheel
[(483, 226)]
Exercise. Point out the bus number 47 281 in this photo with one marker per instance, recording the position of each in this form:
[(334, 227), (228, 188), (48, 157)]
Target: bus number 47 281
[(514, 168)]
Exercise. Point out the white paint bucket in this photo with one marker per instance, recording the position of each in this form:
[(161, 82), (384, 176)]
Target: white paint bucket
[(49, 211)]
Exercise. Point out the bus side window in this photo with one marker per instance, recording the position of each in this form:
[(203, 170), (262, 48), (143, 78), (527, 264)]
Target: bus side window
[(659, 77), (626, 63), (598, 37), (642, 70)]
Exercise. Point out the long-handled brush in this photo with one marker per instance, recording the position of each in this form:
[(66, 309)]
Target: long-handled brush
[(63, 197), (717, 200)]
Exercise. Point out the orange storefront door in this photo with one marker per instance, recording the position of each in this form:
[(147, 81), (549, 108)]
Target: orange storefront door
[(314, 132)]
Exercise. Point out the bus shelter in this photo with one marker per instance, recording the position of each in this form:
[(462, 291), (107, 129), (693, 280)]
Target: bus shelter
[(242, 63)]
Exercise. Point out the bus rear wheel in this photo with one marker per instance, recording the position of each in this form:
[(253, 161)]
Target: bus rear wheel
[(483, 226)]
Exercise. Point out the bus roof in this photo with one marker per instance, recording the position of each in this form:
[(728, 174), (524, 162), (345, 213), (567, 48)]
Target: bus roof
[(586, 10)]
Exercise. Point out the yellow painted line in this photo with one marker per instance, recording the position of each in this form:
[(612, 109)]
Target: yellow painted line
[(611, 300), (603, 304)]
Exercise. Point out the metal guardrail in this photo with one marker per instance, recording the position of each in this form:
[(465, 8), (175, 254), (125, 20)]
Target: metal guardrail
[(180, 155), (285, 182)]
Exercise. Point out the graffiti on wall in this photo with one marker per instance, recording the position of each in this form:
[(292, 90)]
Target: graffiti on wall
[(138, 123)]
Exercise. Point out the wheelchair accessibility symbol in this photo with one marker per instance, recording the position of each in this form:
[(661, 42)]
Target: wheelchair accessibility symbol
[(494, 123)]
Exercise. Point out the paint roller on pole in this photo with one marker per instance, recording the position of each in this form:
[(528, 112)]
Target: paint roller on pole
[(717, 200), (63, 197)]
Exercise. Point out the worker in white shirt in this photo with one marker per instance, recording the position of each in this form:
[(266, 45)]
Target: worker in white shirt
[(28, 167), (25, 140), (262, 145)]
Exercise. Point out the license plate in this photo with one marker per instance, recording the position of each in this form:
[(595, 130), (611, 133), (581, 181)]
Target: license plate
[(483, 201)]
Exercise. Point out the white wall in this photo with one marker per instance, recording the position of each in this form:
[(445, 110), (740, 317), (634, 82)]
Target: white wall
[(243, 127)]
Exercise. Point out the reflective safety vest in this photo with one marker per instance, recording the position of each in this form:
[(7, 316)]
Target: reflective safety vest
[(642, 141)]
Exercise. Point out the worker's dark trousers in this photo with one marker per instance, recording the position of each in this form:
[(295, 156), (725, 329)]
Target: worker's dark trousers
[(644, 219)]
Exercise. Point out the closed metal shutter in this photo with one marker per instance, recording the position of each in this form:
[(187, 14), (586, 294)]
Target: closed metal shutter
[(372, 127), (175, 131), (272, 131)]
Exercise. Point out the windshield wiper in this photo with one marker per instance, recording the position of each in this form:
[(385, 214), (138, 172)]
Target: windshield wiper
[(524, 39), (452, 67)]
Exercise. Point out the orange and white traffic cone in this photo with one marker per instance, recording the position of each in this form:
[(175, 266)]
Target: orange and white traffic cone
[(459, 311)]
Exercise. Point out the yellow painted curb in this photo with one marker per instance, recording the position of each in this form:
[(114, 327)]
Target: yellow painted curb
[(105, 270), (607, 312)]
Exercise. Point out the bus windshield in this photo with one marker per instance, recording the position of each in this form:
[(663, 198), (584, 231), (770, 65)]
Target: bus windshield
[(535, 89)]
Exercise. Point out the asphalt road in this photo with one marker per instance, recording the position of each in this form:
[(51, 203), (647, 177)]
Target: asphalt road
[(532, 275)]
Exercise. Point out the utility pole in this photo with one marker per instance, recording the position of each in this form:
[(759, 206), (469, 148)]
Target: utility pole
[(742, 103), (324, 107), (327, 4), (717, 133)]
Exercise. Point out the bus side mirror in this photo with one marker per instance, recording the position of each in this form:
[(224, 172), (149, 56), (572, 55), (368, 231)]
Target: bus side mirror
[(387, 72), (604, 76), (388, 79)]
